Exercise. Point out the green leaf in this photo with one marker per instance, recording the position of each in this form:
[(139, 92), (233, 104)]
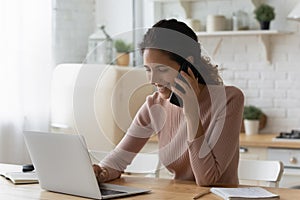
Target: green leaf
[(252, 113), (264, 13), (123, 47)]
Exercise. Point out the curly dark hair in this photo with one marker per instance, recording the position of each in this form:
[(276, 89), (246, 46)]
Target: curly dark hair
[(179, 41)]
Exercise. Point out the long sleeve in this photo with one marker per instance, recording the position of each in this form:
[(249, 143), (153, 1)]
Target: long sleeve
[(214, 156)]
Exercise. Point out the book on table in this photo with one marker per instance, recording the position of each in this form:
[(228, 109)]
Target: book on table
[(15, 174), (245, 193)]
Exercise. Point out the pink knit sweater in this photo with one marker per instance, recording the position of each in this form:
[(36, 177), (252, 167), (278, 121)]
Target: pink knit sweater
[(209, 160)]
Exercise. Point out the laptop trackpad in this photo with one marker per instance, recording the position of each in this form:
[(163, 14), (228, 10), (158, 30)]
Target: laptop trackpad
[(106, 192)]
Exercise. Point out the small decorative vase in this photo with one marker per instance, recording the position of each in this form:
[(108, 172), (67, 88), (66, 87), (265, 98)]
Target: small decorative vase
[(123, 59), (251, 127), (265, 25)]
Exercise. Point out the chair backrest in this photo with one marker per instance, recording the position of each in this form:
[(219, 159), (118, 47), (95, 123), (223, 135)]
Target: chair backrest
[(144, 164), (98, 101), (261, 170)]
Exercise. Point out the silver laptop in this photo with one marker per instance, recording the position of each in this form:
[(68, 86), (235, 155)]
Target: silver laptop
[(63, 165)]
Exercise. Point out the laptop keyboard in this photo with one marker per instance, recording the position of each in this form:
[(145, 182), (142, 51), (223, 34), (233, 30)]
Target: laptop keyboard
[(110, 192)]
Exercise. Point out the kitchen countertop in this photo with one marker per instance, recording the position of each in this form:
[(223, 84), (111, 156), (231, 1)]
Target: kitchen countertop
[(260, 140), (266, 140)]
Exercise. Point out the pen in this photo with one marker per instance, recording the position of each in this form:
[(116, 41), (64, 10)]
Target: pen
[(201, 194)]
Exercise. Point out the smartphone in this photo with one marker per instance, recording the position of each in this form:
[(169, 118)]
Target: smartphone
[(175, 99)]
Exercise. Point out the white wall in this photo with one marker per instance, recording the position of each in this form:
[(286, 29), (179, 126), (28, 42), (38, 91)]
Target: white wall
[(73, 22), (116, 15)]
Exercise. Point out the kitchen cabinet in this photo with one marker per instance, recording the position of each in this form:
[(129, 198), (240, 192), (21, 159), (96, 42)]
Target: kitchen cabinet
[(291, 161), (253, 153)]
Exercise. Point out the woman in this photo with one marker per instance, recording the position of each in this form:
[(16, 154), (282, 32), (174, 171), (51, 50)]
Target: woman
[(199, 139)]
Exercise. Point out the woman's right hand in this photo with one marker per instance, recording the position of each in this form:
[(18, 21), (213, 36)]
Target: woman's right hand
[(101, 173)]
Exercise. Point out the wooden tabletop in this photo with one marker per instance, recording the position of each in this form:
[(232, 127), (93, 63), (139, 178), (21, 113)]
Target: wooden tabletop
[(161, 189)]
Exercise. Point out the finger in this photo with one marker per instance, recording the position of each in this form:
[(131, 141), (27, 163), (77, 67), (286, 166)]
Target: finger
[(191, 73), (192, 80), (103, 175), (184, 86), (177, 92), (186, 76), (96, 168), (187, 80)]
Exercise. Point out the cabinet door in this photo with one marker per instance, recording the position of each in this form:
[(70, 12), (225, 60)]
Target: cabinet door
[(253, 153)]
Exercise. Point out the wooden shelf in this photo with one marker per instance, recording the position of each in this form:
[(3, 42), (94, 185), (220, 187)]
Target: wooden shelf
[(241, 33), (262, 34)]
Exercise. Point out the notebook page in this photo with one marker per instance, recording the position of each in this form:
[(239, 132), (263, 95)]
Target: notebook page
[(248, 192)]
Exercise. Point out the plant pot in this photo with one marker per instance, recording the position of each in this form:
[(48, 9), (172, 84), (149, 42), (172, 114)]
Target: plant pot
[(262, 123), (251, 127), (264, 25), (123, 59)]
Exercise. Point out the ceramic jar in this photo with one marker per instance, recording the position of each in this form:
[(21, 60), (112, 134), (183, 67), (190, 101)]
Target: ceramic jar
[(215, 23)]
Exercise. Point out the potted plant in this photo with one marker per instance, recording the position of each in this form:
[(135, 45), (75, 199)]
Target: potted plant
[(251, 118), (123, 49), (264, 14)]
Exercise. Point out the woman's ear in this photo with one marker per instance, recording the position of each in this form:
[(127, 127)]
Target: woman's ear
[(190, 59)]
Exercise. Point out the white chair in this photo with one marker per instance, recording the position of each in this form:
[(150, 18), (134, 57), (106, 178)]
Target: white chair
[(144, 164), (259, 171)]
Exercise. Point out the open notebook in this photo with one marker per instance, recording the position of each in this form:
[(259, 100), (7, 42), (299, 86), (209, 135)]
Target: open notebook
[(247, 193), (15, 174)]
